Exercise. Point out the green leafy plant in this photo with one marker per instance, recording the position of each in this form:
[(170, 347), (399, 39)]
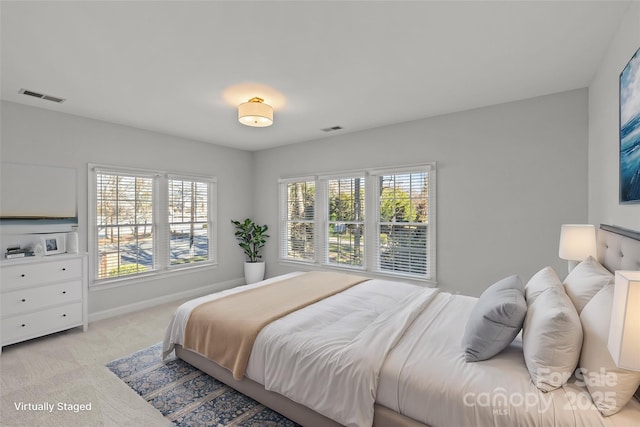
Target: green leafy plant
[(252, 238)]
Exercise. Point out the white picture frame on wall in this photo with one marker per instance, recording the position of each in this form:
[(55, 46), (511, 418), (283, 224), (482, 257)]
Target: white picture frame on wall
[(54, 243)]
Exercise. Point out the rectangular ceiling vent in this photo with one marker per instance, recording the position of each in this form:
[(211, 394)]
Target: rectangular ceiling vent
[(331, 129), (42, 96)]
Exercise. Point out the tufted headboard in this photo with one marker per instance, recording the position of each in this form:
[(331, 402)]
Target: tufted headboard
[(618, 248)]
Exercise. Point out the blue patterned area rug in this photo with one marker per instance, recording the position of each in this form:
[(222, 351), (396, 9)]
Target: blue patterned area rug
[(189, 397)]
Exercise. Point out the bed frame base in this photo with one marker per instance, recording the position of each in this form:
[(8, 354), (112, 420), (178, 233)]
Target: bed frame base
[(302, 415)]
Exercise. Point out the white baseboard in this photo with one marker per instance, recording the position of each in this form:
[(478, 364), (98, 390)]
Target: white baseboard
[(191, 293)]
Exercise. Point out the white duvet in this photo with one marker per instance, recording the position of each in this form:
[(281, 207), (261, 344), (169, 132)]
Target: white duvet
[(399, 345)]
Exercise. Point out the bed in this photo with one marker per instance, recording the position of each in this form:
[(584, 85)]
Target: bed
[(300, 366)]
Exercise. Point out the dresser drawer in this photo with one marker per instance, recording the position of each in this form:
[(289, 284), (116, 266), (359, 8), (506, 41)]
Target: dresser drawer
[(29, 299), (28, 274), (24, 327)]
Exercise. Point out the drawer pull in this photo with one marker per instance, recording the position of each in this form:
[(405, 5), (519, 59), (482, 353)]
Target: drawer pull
[(23, 300)]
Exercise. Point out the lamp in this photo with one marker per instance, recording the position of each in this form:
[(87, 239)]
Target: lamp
[(255, 113), (577, 242), (624, 330)]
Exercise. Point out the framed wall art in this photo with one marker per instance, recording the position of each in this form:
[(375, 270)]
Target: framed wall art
[(630, 131)]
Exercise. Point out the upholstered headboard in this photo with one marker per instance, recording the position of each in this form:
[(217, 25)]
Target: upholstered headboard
[(618, 248)]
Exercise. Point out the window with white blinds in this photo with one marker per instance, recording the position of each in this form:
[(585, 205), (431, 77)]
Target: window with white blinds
[(403, 223), (344, 242), (327, 215), (189, 221), (148, 222), (124, 224), (298, 220)]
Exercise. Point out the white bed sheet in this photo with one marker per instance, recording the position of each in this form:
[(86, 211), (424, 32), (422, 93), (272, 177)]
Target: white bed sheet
[(425, 376), (328, 356)]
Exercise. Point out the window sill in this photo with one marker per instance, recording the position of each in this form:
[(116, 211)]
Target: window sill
[(308, 266), (104, 284)]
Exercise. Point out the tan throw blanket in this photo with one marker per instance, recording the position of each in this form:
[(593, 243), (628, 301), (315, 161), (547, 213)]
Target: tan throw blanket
[(225, 329)]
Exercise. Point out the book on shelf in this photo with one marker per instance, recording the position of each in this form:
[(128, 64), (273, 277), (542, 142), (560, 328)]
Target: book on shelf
[(16, 252)]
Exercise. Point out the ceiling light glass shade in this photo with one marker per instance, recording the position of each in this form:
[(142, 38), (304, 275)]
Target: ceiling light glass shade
[(255, 113)]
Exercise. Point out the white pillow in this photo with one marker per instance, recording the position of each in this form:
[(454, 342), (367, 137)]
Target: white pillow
[(610, 387), (585, 280), (540, 282), (551, 338)]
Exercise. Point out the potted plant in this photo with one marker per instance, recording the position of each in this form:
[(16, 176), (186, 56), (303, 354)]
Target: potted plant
[(252, 237)]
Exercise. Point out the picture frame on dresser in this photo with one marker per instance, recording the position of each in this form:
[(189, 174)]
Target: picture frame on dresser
[(53, 244)]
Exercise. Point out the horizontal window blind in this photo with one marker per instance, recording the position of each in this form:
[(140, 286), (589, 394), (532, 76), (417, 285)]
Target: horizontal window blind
[(148, 222), (124, 224), (298, 220), (344, 243), (403, 221), (381, 221), (189, 221)]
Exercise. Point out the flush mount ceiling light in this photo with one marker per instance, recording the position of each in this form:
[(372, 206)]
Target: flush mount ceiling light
[(255, 113)]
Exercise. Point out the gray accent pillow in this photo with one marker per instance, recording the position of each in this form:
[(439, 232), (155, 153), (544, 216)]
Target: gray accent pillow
[(495, 320)]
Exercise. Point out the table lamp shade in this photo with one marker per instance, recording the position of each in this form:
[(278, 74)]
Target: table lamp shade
[(577, 242), (624, 332)]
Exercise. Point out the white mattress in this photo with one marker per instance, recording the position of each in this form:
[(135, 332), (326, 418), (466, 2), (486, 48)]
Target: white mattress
[(425, 376)]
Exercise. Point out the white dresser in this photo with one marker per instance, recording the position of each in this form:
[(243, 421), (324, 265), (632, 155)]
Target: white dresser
[(42, 295)]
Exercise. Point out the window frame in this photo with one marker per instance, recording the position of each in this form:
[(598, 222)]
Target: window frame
[(371, 256), (325, 220), (160, 202), (283, 220), (430, 169), (211, 229)]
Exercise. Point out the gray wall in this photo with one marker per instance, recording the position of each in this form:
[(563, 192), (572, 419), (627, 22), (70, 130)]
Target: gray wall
[(43, 137), (604, 129), (508, 176)]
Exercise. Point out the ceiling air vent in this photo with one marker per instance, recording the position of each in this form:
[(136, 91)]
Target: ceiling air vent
[(331, 129), (42, 96)]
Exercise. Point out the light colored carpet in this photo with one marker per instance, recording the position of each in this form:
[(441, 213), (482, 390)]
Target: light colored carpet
[(69, 368)]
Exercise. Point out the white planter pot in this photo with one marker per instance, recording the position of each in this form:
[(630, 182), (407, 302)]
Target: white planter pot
[(253, 272)]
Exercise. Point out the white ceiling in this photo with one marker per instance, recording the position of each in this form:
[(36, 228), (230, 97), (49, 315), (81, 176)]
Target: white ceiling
[(182, 67)]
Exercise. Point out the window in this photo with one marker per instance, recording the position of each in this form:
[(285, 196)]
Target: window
[(395, 237), (149, 222), (298, 220), (188, 221), (345, 237), (124, 224), (403, 212)]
